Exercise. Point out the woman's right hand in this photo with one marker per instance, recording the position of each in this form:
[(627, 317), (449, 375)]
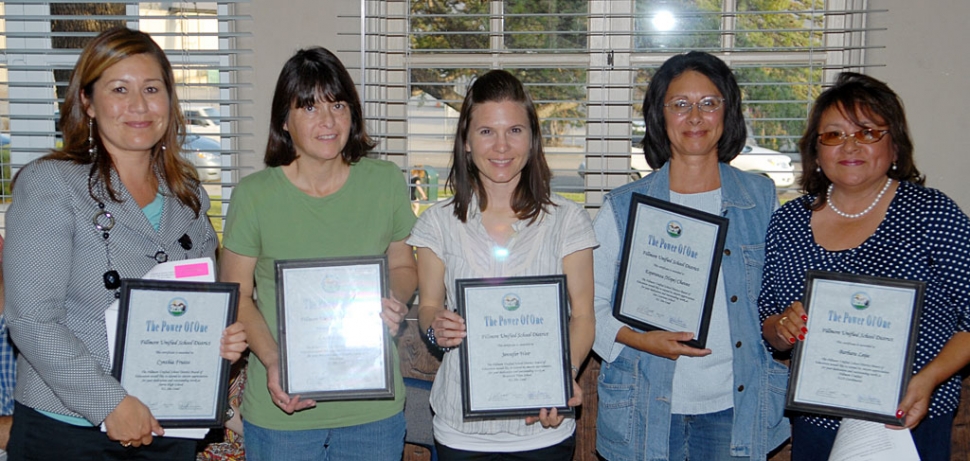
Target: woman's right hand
[(449, 328), (783, 330), (282, 399), (131, 422)]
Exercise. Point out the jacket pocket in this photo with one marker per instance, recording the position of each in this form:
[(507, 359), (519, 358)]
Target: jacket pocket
[(777, 393), (754, 266), (618, 387)]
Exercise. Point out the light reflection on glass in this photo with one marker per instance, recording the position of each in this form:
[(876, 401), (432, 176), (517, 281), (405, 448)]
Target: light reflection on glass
[(664, 21)]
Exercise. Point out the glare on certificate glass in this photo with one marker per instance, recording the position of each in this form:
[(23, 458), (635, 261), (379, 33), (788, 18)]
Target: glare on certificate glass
[(358, 329)]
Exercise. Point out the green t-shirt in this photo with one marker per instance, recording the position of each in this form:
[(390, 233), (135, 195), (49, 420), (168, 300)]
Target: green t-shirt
[(269, 219)]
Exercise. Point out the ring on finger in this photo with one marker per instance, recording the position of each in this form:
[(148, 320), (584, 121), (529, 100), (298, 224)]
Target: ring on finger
[(125, 444), (782, 321)]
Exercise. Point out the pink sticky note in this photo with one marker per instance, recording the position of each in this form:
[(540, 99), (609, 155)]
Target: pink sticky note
[(191, 270)]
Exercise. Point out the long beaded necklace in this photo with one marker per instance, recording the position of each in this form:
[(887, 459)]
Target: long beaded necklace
[(828, 201)]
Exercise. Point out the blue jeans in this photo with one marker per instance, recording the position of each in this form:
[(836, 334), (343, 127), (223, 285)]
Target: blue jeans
[(377, 441), (701, 437)]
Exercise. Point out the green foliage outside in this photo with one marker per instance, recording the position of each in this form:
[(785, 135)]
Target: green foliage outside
[(776, 98), (5, 173)]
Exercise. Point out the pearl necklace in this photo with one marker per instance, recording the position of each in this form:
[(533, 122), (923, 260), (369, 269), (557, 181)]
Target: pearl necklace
[(828, 200)]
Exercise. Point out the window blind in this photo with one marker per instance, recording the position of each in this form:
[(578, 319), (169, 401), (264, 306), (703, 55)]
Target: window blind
[(587, 64), (40, 42)]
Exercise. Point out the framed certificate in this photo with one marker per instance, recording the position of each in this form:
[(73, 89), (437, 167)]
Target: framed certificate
[(515, 357), (857, 357), (333, 343), (167, 350), (668, 271)]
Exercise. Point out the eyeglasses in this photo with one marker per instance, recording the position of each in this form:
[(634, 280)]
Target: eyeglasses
[(683, 107), (863, 136)]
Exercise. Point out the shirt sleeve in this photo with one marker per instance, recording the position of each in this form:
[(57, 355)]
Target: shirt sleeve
[(948, 234), (579, 230), (241, 234), (604, 279), (403, 215), (40, 227), (8, 371), (427, 232)]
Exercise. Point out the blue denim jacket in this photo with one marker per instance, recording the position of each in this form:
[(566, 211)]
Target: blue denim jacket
[(635, 387)]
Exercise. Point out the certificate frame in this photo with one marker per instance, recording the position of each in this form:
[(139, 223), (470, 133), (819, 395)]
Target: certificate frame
[(824, 375), (327, 289), (657, 300), (192, 339), (483, 303)]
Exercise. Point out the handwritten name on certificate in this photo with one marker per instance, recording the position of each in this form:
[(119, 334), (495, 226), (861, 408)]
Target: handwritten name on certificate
[(515, 347), (668, 271), (858, 346)]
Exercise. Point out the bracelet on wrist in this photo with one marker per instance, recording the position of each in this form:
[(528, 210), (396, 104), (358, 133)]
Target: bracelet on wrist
[(434, 341)]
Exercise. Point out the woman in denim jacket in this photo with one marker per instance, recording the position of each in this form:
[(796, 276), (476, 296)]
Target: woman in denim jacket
[(658, 398)]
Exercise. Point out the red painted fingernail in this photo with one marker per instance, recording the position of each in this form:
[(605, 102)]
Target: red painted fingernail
[(900, 413), (801, 337), (804, 330), (791, 340), (804, 318)]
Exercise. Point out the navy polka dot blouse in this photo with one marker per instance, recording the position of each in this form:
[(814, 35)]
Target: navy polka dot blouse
[(924, 236)]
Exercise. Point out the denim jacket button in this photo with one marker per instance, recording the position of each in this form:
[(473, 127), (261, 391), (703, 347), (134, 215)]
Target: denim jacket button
[(741, 388), (734, 299), (737, 344), (727, 252)]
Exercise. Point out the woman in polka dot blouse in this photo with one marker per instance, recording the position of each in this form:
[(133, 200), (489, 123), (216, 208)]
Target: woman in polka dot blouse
[(867, 212)]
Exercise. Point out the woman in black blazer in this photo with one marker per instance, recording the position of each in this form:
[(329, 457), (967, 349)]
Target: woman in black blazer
[(116, 200)]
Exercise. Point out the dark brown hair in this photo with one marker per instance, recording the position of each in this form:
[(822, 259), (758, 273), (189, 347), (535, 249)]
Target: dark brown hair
[(532, 193), (855, 94), (308, 76), (106, 50), (656, 144)]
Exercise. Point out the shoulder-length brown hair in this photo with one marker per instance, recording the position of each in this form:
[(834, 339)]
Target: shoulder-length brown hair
[(532, 193), (106, 50), (853, 94), (308, 76)]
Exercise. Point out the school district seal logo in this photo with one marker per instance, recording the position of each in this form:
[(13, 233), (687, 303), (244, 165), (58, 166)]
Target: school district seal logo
[(511, 302), (330, 284), (860, 301), (674, 229), (177, 307)]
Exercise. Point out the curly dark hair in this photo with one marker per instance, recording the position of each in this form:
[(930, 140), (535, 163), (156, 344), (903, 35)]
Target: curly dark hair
[(854, 94)]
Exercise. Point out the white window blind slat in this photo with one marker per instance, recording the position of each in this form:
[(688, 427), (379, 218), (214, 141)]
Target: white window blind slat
[(587, 63), (40, 43)]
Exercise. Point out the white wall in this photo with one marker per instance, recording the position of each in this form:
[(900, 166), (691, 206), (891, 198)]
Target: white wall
[(923, 58), (279, 30), (927, 65)]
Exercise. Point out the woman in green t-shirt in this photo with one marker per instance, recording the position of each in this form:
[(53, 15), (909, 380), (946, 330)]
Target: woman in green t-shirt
[(318, 197)]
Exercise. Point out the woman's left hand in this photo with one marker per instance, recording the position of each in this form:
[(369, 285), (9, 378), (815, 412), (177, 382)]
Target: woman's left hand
[(233, 342), (393, 312), (551, 417), (916, 403)]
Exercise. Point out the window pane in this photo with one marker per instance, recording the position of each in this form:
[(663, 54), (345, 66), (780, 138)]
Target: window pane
[(546, 25), (673, 26), (449, 25), (795, 28)]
